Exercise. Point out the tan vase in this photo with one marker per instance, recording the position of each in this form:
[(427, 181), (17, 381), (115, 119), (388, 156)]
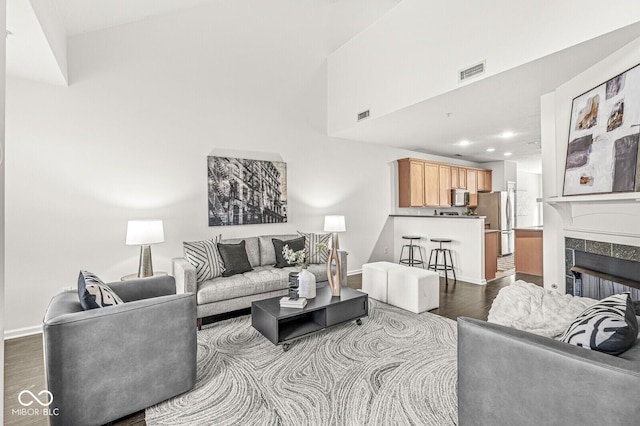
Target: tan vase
[(333, 273)]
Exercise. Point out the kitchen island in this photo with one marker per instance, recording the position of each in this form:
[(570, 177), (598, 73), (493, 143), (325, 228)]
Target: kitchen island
[(467, 246), (528, 252)]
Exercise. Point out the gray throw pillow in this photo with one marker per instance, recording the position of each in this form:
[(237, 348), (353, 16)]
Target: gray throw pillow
[(234, 257), (296, 244)]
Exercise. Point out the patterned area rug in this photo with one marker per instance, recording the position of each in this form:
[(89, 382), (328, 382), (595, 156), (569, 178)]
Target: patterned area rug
[(397, 368), (506, 263)]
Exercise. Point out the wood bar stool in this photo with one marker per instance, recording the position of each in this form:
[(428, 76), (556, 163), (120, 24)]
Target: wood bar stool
[(411, 260), (443, 265)]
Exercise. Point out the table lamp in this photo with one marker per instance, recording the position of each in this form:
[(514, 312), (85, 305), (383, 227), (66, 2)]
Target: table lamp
[(334, 224), (144, 233)]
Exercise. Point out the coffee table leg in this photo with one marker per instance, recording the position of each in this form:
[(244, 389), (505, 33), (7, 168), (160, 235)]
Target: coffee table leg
[(286, 346), (359, 321)]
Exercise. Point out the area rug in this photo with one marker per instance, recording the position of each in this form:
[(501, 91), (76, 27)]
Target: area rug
[(396, 368)]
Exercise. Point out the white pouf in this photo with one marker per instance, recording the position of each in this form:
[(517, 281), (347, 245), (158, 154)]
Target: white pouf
[(414, 289), (374, 279)]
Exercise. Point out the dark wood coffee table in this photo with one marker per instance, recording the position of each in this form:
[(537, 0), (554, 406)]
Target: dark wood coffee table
[(282, 325)]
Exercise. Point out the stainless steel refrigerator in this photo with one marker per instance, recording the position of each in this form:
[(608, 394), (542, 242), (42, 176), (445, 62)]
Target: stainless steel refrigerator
[(499, 208)]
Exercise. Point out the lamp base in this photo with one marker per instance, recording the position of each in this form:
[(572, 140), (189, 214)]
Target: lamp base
[(145, 267)]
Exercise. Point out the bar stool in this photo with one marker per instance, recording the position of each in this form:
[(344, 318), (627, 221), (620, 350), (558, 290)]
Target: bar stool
[(411, 260), (442, 266)]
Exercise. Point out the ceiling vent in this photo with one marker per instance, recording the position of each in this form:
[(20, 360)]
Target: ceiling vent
[(472, 71), (363, 115)]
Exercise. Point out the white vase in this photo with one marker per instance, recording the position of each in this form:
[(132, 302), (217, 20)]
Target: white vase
[(306, 284)]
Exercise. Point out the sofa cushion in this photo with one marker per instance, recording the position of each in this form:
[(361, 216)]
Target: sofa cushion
[(93, 293), (310, 243), (267, 252), (204, 256), (261, 279), (609, 326), (251, 247), (297, 244), (234, 257)]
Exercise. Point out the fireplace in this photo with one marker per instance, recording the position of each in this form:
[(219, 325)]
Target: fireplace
[(597, 269)]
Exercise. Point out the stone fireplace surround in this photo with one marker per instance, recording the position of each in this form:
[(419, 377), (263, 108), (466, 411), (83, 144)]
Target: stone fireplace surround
[(616, 251)]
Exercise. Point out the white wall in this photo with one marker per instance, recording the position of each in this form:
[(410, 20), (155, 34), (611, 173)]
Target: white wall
[(129, 138), (529, 211), (415, 51), (3, 45), (611, 221)]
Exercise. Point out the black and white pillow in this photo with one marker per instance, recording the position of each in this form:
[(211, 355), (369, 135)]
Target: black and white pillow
[(609, 326), (310, 243), (295, 244), (205, 257), (94, 293)]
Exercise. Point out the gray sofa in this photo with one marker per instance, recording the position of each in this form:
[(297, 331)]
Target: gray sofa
[(227, 294), (512, 377), (106, 363)]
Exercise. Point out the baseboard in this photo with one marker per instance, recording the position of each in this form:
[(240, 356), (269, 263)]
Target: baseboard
[(22, 332)]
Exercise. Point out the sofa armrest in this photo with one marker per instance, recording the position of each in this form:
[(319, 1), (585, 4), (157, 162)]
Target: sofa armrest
[(120, 359), (185, 274), (144, 288), (512, 377), (342, 254)]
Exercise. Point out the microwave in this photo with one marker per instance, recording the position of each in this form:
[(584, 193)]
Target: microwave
[(459, 197)]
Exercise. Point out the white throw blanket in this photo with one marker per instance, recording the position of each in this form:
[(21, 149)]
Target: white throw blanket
[(529, 307)]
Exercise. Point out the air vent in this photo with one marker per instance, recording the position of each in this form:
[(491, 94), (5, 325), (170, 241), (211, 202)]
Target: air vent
[(363, 115), (470, 72)]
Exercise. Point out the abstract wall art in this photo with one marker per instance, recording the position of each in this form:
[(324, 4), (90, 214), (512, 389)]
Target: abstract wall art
[(602, 154), (243, 191)]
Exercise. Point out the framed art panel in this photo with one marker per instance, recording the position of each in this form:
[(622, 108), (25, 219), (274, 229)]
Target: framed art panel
[(602, 154), (243, 191)]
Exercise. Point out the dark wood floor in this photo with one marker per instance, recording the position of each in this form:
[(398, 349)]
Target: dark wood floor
[(24, 367)]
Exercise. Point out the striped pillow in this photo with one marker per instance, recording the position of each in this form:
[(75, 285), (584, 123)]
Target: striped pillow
[(609, 326), (310, 242), (205, 257)]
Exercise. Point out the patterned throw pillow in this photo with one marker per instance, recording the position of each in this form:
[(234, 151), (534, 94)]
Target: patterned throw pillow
[(609, 326), (94, 293), (310, 242), (205, 257)]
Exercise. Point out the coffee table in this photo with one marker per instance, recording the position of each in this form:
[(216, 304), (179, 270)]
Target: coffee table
[(283, 325)]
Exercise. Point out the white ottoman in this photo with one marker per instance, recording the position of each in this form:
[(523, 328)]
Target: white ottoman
[(414, 289), (374, 279)]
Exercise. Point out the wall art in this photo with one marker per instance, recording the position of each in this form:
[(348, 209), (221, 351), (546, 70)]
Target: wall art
[(602, 155), (243, 191)]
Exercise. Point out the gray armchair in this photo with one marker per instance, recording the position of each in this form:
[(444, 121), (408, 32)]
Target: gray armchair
[(510, 377), (106, 363)]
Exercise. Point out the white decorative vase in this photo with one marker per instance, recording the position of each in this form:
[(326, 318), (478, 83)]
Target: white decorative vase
[(306, 284)]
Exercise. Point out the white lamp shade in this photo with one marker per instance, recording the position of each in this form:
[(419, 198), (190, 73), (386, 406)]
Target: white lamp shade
[(334, 223), (141, 232)]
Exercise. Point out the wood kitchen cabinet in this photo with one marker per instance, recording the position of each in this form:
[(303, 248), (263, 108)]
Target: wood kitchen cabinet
[(411, 180), (528, 250), (458, 177), (484, 181), (431, 185), (472, 186), (445, 185), (491, 246)]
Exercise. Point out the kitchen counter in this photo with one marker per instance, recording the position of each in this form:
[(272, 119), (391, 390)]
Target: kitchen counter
[(426, 216), (465, 232), (486, 231), (529, 228)]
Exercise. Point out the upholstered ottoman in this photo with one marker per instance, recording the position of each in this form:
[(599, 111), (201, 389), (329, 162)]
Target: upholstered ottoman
[(414, 289), (374, 279)]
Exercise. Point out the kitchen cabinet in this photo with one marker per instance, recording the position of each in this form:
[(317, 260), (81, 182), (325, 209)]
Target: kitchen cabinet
[(491, 245), (458, 177), (528, 251), (431, 185), (411, 183), (484, 180), (445, 185), (472, 182)]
